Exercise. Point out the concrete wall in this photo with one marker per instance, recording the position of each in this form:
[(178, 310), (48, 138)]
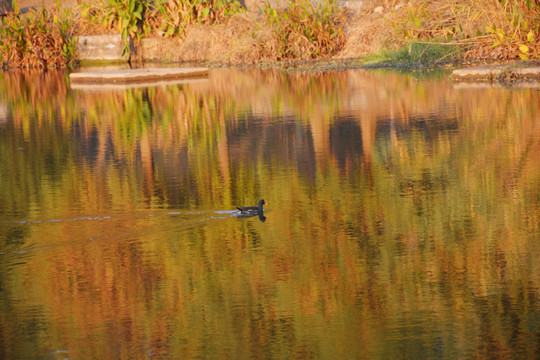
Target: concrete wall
[(101, 47)]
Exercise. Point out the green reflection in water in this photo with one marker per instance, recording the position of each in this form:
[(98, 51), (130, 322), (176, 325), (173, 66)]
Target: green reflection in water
[(402, 219)]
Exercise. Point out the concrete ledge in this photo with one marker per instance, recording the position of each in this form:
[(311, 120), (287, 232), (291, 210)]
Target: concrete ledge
[(96, 88), (137, 75), (493, 72)]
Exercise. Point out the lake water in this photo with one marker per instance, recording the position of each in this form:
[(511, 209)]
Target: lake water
[(403, 218)]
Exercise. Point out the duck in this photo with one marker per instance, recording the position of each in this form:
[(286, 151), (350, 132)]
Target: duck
[(253, 209)]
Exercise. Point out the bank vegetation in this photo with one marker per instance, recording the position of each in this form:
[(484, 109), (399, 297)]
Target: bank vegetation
[(227, 31)]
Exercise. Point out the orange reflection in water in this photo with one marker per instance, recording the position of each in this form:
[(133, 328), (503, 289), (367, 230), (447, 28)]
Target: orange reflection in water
[(403, 218)]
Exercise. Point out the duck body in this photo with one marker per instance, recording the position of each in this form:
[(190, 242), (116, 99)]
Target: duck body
[(253, 209)]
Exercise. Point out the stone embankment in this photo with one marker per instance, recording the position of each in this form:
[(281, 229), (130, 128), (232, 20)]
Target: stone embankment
[(516, 71)]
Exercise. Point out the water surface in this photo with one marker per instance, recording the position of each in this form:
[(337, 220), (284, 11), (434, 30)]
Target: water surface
[(403, 218)]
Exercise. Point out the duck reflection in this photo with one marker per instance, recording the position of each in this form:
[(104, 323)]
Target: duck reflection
[(261, 216)]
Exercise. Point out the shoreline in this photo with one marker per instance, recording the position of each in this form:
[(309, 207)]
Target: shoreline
[(212, 45)]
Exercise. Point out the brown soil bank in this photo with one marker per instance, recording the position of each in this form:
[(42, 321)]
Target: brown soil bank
[(478, 29)]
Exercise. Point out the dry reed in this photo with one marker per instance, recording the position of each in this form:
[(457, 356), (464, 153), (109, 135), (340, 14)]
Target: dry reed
[(486, 29)]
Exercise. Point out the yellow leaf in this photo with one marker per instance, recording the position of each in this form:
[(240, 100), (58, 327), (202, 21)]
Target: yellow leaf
[(500, 34), (523, 48), (530, 36)]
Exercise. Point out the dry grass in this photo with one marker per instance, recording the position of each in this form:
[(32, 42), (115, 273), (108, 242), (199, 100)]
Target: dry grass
[(486, 29), (238, 40), (249, 42), (366, 34)]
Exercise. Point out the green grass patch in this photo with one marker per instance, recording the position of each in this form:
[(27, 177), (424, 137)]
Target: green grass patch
[(415, 53)]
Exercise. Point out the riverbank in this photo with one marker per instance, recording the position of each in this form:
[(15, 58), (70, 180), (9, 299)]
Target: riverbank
[(374, 33)]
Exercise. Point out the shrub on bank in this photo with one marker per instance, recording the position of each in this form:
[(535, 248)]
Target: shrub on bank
[(305, 30), (39, 39)]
